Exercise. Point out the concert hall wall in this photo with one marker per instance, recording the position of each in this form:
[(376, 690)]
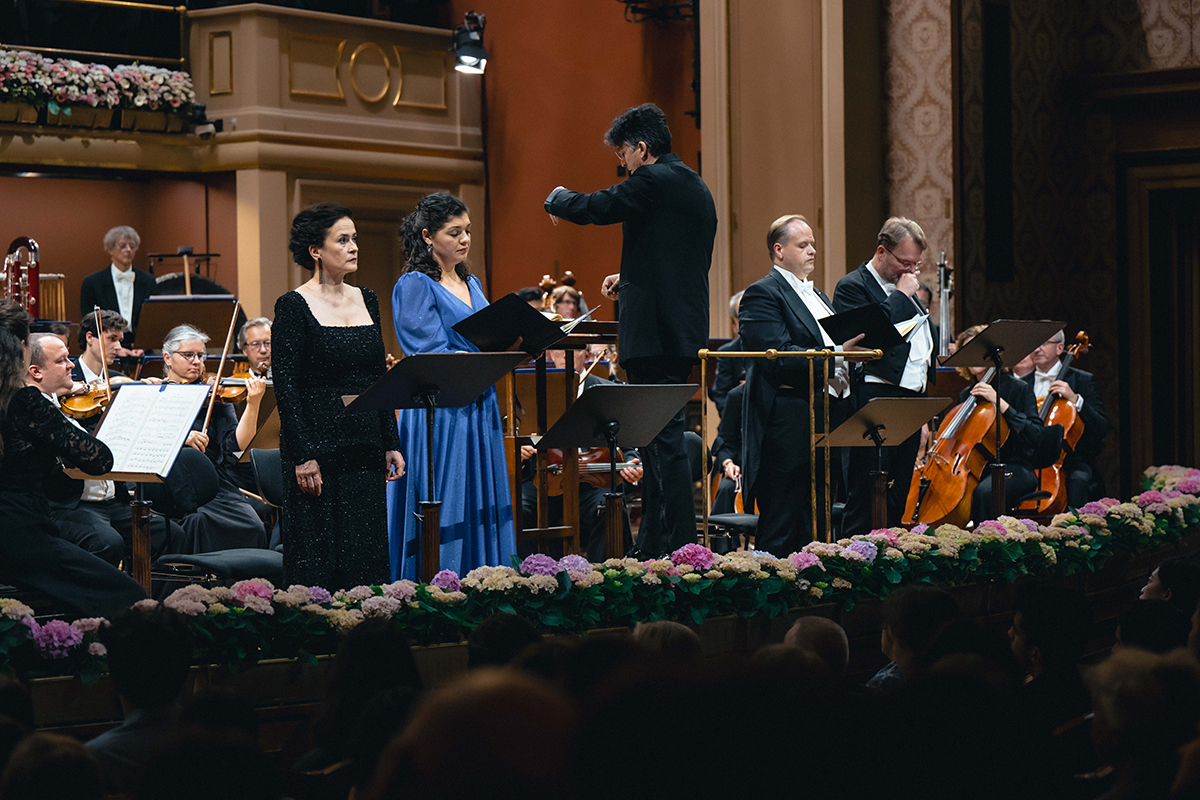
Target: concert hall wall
[(558, 75)]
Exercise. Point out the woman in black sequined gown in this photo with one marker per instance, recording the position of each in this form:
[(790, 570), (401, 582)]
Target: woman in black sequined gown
[(34, 435), (326, 343)]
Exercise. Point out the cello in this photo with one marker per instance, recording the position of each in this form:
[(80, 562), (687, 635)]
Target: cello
[(954, 465), (1054, 410)]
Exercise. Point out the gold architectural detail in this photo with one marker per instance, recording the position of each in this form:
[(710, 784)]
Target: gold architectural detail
[(367, 48), (427, 69), (220, 48), (317, 51)]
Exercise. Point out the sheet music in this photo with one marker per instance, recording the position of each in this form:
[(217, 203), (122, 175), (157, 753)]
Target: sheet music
[(146, 425)]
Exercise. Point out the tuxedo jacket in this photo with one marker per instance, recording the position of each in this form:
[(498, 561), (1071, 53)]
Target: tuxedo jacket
[(98, 290), (860, 288), (1096, 423), (668, 224), (772, 316)]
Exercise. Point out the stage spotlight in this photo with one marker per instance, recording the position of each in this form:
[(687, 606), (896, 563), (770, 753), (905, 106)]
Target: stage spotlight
[(470, 57)]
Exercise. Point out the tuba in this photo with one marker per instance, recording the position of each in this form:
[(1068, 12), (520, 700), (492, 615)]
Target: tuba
[(19, 278)]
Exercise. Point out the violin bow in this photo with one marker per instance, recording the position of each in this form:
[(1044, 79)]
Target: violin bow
[(103, 353), (216, 387)]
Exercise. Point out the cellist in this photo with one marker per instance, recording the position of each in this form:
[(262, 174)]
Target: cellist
[(1079, 388), (1025, 432)]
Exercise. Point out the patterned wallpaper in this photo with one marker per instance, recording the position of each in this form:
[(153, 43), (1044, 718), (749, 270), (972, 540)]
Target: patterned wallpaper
[(1172, 32)]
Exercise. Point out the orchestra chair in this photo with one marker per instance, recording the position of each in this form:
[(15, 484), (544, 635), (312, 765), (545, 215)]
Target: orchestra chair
[(724, 530), (219, 566), (268, 475)]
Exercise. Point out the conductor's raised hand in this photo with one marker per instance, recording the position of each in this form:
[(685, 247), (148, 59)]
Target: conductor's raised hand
[(197, 440), (395, 465), (308, 476), (852, 345), (609, 288)]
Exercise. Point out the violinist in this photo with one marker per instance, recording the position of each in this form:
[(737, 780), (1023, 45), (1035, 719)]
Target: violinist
[(254, 339), (227, 521), (1025, 434), (89, 367), (1079, 388)]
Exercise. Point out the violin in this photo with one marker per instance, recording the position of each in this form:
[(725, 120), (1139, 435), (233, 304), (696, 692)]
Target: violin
[(232, 389), (942, 485), (593, 468), (94, 399), (1054, 410)]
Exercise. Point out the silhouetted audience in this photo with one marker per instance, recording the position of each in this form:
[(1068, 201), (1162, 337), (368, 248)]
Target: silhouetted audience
[(672, 640), (825, 638), (16, 716), (1153, 625), (1050, 629), (912, 618), (201, 764), (1177, 581), (498, 640), (220, 711), (46, 766), (149, 654)]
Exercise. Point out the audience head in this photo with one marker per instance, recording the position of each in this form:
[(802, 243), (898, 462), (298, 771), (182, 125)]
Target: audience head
[(11, 734), (1146, 705), (122, 243), (638, 134), (384, 716), (113, 328), (149, 654), (199, 764), (1177, 581), (50, 364), (499, 733), (966, 648), (1153, 625), (672, 640), (435, 234), (310, 230), (184, 353), (1050, 628), (912, 618), (220, 711), (46, 766), (825, 638), (498, 640)]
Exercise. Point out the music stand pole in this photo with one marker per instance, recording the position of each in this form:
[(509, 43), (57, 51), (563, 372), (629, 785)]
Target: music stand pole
[(614, 501), (431, 538), (999, 499), (880, 476), (140, 561)]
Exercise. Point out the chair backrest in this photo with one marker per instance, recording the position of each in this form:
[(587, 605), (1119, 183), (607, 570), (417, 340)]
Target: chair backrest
[(191, 483), (694, 446), (268, 471)]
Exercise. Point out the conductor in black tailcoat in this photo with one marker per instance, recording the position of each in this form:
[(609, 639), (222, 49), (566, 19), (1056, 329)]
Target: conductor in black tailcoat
[(889, 279), (780, 312), (668, 224), (119, 287)]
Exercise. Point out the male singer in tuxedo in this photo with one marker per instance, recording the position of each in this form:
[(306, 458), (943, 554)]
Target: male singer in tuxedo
[(668, 224), (1077, 387), (119, 287), (780, 312), (889, 279)]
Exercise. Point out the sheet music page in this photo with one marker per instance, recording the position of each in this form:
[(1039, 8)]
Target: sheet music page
[(146, 425)]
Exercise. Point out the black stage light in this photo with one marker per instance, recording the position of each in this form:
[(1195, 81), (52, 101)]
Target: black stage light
[(470, 57)]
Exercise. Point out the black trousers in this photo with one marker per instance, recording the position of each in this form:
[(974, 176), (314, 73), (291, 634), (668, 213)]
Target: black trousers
[(899, 462), (783, 488), (1021, 481), (668, 505), (1079, 483)]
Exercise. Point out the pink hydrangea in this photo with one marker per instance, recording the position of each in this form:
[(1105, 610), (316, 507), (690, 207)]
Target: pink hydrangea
[(320, 595), (252, 588), (446, 580), (920, 527), (1147, 498), (400, 590), (97, 649), (1189, 486), (539, 564), (381, 606), (574, 563), (360, 593), (995, 527), (1109, 502), (697, 555), (1099, 509), (803, 560), (886, 534), (148, 604), (1171, 494), (56, 638), (89, 624)]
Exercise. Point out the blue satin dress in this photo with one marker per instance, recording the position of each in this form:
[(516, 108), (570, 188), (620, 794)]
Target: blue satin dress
[(470, 472)]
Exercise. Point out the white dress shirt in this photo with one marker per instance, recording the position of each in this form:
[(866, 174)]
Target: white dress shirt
[(93, 491), (88, 375), (916, 370), (1042, 381), (123, 281), (839, 383)]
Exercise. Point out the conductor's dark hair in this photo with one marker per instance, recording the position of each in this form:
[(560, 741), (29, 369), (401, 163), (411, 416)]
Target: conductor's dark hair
[(14, 332), (149, 653), (432, 213), (109, 321), (310, 227), (645, 123)]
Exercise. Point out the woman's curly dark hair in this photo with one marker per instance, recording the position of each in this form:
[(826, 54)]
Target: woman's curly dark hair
[(310, 227), (431, 214), (14, 333)]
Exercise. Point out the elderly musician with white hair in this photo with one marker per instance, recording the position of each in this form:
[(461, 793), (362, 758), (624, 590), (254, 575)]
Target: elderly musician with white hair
[(119, 287)]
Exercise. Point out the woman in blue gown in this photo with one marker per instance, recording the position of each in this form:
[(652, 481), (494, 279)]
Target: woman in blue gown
[(435, 292)]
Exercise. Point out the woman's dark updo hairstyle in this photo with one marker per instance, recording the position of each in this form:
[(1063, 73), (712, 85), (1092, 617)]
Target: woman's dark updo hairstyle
[(310, 227), (432, 213), (14, 332)]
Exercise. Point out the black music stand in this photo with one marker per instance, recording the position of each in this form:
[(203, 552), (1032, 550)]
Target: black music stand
[(162, 312), (880, 420), (1004, 341), (430, 381), (634, 414), (498, 326)]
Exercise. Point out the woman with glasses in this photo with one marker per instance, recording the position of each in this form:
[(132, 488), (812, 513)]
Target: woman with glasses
[(227, 521)]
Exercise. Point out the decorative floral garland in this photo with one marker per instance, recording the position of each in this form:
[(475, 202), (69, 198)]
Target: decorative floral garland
[(58, 83), (253, 620)]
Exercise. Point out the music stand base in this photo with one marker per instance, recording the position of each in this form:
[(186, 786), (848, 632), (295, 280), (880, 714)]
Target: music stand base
[(431, 540), (614, 525), (999, 500), (879, 499)]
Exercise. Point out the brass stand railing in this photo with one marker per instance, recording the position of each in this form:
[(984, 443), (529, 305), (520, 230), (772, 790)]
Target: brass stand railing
[(825, 354)]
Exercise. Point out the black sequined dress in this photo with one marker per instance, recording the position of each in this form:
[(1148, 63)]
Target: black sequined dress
[(338, 539)]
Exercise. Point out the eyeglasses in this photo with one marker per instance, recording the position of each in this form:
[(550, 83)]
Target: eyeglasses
[(191, 356), (907, 264), (265, 344)]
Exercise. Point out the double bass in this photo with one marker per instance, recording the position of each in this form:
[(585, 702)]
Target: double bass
[(1054, 410), (954, 464)]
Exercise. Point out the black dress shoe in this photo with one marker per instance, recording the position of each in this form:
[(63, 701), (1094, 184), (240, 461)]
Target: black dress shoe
[(636, 552)]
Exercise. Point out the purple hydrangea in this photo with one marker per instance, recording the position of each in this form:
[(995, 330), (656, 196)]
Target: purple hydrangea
[(697, 555), (1171, 494), (56, 638), (920, 527), (1030, 524), (1109, 502), (447, 580), (539, 564), (574, 563), (864, 549), (320, 595), (1147, 498), (1099, 509), (803, 561)]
